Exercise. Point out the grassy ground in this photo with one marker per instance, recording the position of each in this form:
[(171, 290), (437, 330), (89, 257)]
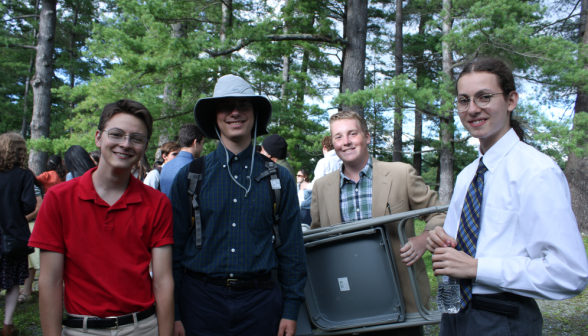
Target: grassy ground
[(567, 317)]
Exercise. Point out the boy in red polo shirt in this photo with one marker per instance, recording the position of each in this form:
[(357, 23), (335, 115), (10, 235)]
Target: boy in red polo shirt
[(97, 235)]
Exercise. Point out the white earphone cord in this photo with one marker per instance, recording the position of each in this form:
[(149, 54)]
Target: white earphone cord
[(252, 158)]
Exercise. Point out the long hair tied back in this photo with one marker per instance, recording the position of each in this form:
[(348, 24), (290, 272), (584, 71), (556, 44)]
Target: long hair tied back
[(505, 81)]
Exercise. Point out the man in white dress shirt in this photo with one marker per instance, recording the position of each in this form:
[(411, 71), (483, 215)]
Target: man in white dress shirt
[(526, 243)]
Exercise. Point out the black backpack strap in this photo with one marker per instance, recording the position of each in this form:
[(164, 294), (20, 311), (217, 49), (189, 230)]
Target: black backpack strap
[(195, 174), (275, 194)]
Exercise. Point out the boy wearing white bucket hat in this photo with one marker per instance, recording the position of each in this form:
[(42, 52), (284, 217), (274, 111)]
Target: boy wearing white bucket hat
[(225, 226)]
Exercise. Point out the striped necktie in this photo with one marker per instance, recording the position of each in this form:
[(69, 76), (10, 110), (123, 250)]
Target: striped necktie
[(469, 226)]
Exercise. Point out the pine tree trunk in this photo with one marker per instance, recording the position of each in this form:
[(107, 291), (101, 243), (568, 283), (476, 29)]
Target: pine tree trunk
[(23, 129), (172, 93), (354, 54), (42, 82), (227, 20), (286, 60), (577, 167), (399, 61), (421, 73), (446, 157), (304, 70)]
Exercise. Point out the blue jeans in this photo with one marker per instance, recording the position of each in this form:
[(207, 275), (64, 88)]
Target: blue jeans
[(207, 309)]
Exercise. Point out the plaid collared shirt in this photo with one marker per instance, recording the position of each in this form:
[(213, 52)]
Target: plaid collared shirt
[(356, 198)]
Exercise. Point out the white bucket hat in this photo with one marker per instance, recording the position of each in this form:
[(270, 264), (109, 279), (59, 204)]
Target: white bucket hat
[(231, 86)]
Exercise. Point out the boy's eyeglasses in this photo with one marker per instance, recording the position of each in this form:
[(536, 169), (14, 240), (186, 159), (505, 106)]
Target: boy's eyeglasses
[(462, 102), (118, 135)]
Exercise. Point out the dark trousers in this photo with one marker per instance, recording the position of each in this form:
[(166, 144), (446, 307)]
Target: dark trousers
[(207, 309), (471, 321), (410, 331)]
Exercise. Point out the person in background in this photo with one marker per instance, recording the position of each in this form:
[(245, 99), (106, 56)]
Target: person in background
[(54, 175), (329, 163), (275, 147), (191, 141), (95, 156), (169, 151), (34, 262), (304, 196), (302, 182), (141, 169), (17, 199), (78, 161), (510, 235)]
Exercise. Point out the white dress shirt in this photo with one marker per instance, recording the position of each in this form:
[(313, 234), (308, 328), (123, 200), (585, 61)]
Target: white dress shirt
[(152, 179), (326, 165), (529, 243)]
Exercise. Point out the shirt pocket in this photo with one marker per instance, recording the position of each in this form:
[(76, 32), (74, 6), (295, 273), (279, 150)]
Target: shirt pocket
[(498, 222)]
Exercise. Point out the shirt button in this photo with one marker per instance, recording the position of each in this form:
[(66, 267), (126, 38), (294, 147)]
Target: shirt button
[(245, 167), (231, 275), (234, 224), (224, 166), (235, 200), (232, 250), (236, 176), (357, 210), (356, 190), (236, 158)]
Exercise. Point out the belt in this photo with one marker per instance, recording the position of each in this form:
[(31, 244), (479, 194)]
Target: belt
[(499, 303), (111, 322), (261, 282)]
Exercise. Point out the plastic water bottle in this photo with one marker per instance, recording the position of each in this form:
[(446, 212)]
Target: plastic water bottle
[(448, 296)]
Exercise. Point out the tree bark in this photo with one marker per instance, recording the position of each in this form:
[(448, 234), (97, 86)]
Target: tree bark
[(227, 19), (304, 70), (42, 82), (23, 129), (172, 94), (577, 167), (286, 59), (399, 61), (354, 53), (421, 74), (446, 158)]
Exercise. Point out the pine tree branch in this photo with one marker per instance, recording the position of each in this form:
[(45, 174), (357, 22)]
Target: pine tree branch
[(173, 115), (285, 37), (22, 17), (22, 46), (461, 140)]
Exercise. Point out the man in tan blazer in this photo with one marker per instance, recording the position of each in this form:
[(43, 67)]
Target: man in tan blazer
[(365, 187)]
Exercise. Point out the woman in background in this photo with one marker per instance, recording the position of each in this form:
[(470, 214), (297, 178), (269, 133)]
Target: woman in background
[(141, 169), (17, 199), (169, 151), (55, 173), (95, 156), (78, 162)]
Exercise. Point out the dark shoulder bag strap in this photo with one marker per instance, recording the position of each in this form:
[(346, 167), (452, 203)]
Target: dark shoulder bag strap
[(275, 188), (195, 174)]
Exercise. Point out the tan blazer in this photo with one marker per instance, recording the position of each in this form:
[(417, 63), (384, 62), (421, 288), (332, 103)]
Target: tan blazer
[(398, 185)]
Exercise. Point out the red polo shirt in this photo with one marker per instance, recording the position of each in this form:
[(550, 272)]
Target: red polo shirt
[(107, 249)]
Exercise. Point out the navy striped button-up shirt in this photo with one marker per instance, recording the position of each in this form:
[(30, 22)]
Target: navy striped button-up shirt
[(237, 230)]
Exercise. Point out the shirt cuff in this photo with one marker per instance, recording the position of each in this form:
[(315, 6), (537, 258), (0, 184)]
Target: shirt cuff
[(489, 272), (46, 247), (163, 242), (291, 310)]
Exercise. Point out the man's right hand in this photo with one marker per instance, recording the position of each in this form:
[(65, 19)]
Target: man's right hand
[(439, 238), (179, 329)]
